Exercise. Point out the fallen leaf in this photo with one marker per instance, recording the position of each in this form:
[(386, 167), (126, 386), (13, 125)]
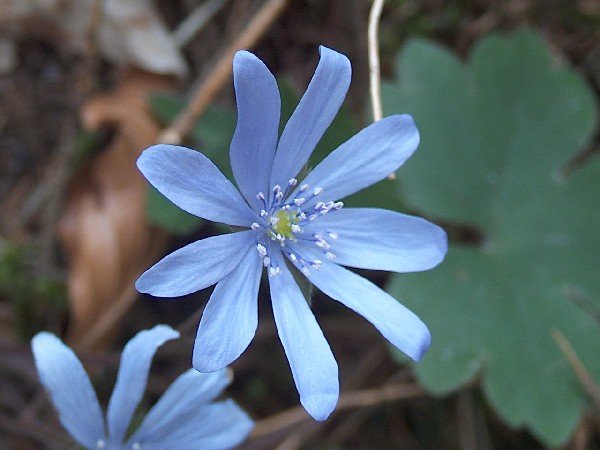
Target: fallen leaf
[(126, 32), (104, 229)]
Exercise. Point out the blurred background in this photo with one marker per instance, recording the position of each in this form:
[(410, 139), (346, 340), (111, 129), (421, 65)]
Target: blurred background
[(505, 94)]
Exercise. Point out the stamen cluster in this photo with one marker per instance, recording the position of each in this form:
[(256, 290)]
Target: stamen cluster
[(283, 219)]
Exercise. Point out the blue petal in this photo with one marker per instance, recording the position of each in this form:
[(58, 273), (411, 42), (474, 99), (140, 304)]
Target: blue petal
[(133, 376), (397, 323), (195, 266), (255, 139), (382, 240), (230, 318), (317, 108), (314, 368), (191, 181), (182, 411), (364, 159), (70, 388), (220, 425)]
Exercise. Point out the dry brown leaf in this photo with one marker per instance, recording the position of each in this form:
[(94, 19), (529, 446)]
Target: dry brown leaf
[(104, 229), (127, 32)]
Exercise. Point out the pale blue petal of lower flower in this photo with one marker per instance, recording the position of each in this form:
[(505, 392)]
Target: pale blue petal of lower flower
[(364, 159), (188, 394), (133, 376), (195, 266), (230, 318), (192, 426), (378, 239), (397, 323), (314, 368), (255, 139), (70, 388), (191, 181), (313, 115)]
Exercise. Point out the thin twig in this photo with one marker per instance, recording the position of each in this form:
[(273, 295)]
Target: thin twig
[(348, 400), (197, 19), (583, 375), (374, 73), (175, 133)]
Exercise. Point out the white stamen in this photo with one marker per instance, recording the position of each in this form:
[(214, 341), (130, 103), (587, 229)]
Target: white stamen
[(276, 189), (333, 235), (319, 205), (266, 261), (296, 228), (303, 187), (302, 215), (136, 446), (313, 217), (317, 190), (330, 255), (262, 250), (279, 195), (263, 213), (299, 201), (293, 257), (273, 220), (293, 182), (255, 226), (305, 271), (260, 196), (100, 443), (338, 205), (316, 264), (274, 271)]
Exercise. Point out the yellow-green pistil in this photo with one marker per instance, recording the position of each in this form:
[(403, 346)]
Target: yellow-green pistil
[(284, 223)]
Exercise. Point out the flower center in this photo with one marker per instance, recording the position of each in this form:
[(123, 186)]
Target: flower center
[(283, 217), (283, 224)]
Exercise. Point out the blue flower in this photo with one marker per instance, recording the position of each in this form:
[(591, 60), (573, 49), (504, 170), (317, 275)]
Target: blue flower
[(184, 418), (301, 222)]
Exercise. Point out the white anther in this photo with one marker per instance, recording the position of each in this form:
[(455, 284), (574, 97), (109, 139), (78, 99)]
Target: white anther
[(302, 215), (303, 187), (279, 195), (299, 201), (293, 257), (260, 196), (293, 182), (255, 226), (338, 205), (266, 261), (276, 189), (322, 244), (317, 190), (296, 228), (273, 220), (287, 207), (136, 446), (305, 271), (262, 250), (319, 205), (316, 264), (333, 235), (330, 255), (313, 217), (263, 213), (279, 237), (100, 443), (274, 271)]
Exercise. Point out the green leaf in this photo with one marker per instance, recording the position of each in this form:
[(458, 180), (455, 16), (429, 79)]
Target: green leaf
[(494, 134)]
